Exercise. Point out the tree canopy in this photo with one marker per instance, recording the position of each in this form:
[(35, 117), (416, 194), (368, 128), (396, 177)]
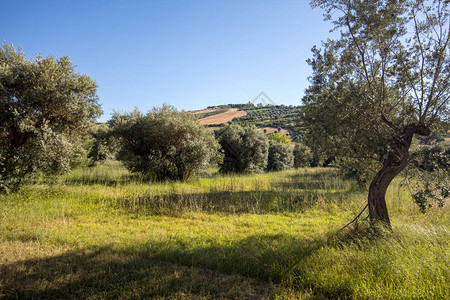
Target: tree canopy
[(383, 81), (164, 143), (280, 156), (279, 138), (302, 155), (244, 149), (44, 107)]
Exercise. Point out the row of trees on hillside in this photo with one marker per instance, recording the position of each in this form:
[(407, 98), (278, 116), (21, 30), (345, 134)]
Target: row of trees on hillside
[(271, 116)]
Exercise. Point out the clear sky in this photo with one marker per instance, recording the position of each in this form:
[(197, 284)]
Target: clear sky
[(190, 54)]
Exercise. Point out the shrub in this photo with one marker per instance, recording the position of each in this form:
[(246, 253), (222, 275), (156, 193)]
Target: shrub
[(164, 144), (303, 156), (244, 149), (102, 145), (280, 156), (45, 107), (279, 138), (431, 165)]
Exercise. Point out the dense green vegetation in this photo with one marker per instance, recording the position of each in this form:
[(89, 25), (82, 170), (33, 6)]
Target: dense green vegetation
[(104, 233), (303, 156), (278, 137), (164, 143), (280, 157), (244, 149), (382, 80), (431, 169), (45, 108), (271, 116)]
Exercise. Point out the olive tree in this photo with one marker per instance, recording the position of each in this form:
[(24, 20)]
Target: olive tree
[(280, 156), (432, 166), (45, 105), (383, 81), (164, 143), (102, 144), (245, 150), (303, 155)]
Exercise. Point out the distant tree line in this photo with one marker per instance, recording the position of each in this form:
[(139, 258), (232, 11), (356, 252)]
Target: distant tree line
[(168, 144), (269, 115), (47, 126)]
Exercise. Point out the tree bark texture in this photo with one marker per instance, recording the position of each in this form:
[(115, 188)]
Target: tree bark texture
[(395, 162)]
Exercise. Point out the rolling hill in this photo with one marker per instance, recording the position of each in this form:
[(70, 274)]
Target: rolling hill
[(268, 119)]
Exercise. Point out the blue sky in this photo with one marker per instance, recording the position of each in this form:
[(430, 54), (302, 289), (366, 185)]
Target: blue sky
[(190, 54)]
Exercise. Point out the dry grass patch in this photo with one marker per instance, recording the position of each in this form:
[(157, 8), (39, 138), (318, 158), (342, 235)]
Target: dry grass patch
[(222, 118)]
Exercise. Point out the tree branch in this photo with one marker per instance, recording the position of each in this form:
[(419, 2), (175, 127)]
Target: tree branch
[(356, 218)]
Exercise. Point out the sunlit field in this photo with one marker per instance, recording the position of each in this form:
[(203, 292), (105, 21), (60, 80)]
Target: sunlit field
[(103, 233)]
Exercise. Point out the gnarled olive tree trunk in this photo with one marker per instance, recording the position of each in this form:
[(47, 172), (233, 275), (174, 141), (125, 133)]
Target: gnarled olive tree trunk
[(395, 162)]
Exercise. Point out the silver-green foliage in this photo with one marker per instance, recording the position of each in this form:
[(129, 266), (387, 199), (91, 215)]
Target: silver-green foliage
[(280, 156), (164, 143), (388, 72), (432, 173), (303, 156), (245, 149), (384, 80), (102, 144), (44, 107)]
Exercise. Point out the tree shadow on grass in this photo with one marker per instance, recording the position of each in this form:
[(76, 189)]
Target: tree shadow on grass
[(124, 179), (276, 258), (99, 180), (251, 268), (255, 202), (175, 203), (323, 180), (108, 274)]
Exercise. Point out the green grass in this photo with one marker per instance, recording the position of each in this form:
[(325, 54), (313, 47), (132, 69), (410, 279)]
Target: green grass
[(102, 233)]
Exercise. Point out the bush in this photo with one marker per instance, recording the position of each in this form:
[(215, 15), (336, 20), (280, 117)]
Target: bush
[(164, 144), (280, 156), (435, 157), (102, 145), (303, 156), (244, 149), (45, 108), (279, 138)]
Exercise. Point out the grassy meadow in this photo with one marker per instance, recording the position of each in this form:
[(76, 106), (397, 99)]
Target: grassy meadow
[(103, 233)]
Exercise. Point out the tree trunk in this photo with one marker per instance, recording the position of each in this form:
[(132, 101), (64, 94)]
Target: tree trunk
[(393, 164), (378, 212)]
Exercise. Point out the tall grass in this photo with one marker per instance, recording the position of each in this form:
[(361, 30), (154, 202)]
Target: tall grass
[(103, 233)]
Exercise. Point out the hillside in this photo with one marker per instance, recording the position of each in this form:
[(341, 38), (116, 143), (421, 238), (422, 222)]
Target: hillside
[(269, 118), (221, 117)]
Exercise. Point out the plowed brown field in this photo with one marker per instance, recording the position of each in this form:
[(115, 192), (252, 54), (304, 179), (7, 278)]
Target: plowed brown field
[(223, 117)]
